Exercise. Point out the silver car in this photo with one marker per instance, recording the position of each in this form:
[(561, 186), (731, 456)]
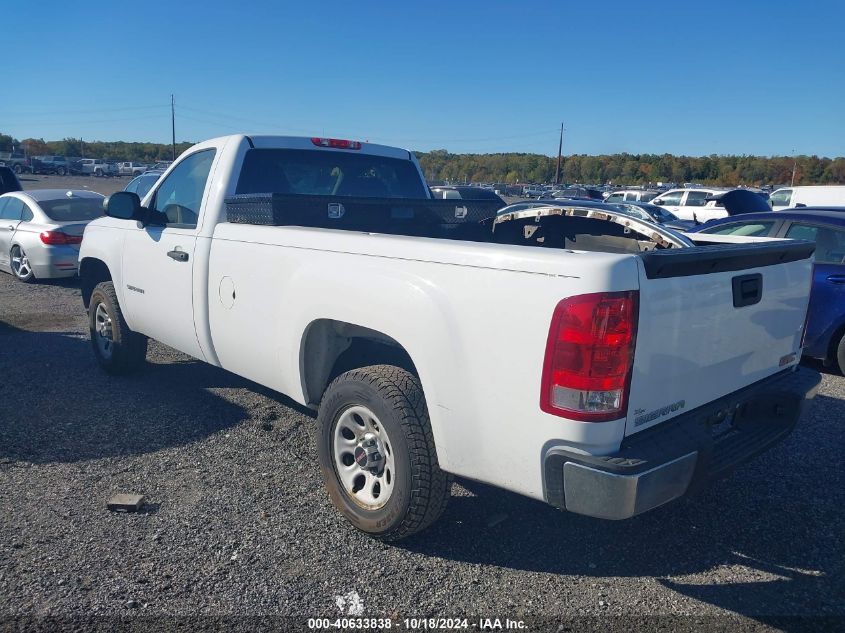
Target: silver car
[(41, 230)]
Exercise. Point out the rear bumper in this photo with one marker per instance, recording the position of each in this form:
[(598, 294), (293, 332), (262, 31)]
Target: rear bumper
[(52, 262), (663, 463)]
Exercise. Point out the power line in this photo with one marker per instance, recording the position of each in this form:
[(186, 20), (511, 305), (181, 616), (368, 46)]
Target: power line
[(29, 113)]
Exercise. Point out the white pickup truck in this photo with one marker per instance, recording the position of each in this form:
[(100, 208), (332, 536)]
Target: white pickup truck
[(589, 363)]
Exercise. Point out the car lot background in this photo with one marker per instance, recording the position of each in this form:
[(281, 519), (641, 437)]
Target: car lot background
[(238, 521)]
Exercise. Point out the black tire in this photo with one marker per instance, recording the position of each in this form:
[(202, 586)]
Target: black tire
[(420, 489), (840, 354), (21, 272), (127, 350), (98, 173), (18, 169), (61, 171)]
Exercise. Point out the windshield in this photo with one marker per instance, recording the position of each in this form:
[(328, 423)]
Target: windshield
[(329, 173), (72, 209), (145, 183)]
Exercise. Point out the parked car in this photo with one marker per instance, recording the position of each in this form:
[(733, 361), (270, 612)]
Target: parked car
[(140, 185), (51, 165), (807, 196), (8, 180), (534, 191), (466, 193), (632, 195), (578, 193), (825, 334), (97, 167), (163, 165), (685, 203), (19, 163), (131, 169), (41, 230), (317, 292)]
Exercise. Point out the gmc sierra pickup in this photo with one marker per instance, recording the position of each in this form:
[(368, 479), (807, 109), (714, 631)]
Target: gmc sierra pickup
[(592, 360)]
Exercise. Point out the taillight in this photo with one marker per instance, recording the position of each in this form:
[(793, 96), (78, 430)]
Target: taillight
[(58, 238), (589, 356), (336, 143)]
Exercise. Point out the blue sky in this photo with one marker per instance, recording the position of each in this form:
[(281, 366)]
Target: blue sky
[(752, 77)]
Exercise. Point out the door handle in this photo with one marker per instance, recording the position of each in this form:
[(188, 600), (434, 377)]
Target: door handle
[(9, 228), (836, 279), (179, 256)]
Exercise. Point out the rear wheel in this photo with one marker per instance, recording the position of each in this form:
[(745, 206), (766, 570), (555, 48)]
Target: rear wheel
[(840, 354), (118, 349), (98, 173), (61, 171), (18, 169), (21, 267), (377, 453)]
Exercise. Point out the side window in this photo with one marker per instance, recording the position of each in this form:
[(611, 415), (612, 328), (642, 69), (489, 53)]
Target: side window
[(614, 197), (179, 196), (26, 214), (12, 210), (749, 229), (830, 243), (672, 198), (781, 198), (132, 187), (696, 198)]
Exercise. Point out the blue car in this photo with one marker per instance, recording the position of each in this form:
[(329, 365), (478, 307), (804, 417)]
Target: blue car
[(825, 336)]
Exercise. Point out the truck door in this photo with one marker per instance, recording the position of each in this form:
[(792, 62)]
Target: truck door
[(158, 259)]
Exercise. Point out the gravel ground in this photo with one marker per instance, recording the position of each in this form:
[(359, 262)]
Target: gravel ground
[(238, 522), (105, 186)]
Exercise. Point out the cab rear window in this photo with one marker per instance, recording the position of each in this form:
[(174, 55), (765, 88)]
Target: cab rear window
[(328, 173)]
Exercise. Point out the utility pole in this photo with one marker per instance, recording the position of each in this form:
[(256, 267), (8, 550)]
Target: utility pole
[(559, 153), (794, 165), (173, 124)]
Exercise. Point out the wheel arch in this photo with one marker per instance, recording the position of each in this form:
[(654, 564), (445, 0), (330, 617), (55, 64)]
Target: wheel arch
[(330, 347), (92, 271)]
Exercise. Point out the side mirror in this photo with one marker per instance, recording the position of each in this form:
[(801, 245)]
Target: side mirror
[(124, 205), (658, 202)]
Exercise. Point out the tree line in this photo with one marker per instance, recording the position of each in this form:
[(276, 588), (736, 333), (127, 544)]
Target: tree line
[(117, 151), (632, 169), (629, 169)]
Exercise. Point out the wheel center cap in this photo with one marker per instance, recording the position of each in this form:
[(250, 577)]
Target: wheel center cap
[(368, 454), (361, 456)]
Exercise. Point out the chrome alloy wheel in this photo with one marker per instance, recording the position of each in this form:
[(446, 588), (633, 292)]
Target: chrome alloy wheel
[(363, 458), (20, 263), (103, 330)]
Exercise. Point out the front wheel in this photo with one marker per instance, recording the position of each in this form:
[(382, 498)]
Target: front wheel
[(377, 454), (21, 267), (118, 349), (840, 354), (61, 171)]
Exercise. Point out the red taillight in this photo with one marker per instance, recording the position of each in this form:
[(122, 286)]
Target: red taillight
[(589, 356), (336, 143), (57, 238)]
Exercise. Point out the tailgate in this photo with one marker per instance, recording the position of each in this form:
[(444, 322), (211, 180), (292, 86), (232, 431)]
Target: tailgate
[(715, 319)]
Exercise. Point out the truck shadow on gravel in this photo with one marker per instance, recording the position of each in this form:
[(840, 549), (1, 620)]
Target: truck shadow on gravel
[(57, 405), (768, 538)]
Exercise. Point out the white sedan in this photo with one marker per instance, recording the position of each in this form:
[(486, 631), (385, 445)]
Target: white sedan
[(41, 230)]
